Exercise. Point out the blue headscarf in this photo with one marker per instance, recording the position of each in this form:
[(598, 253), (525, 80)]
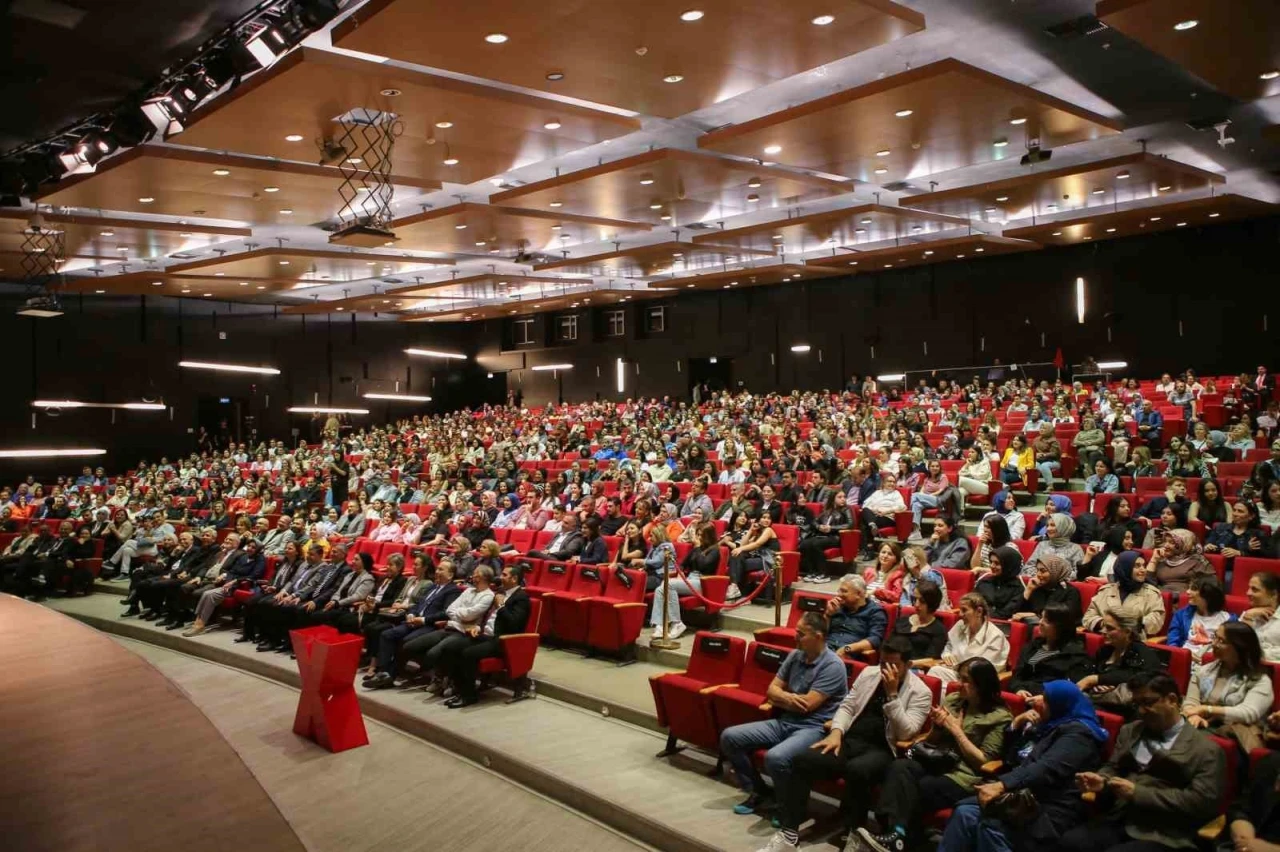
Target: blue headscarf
[(515, 501), (997, 502), (1123, 570), (1061, 504), (1066, 703)]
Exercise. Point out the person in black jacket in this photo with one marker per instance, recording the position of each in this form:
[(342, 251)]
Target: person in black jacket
[(1050, 584), (1045, 747), (1002, 588), (594, 550), (1124, 656), (428, 615), (152, 590), (1056, 654), (509, 614), (57, 571), (824, 533), (384, 595), (1253, 820)]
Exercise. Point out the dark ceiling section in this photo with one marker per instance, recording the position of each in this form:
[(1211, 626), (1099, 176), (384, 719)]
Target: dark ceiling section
[(69, 60)]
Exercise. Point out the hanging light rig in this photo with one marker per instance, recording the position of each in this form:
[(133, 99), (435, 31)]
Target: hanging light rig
[(362, 150)]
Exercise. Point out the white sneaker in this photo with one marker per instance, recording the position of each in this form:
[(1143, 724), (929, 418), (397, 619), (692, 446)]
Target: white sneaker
[(677, 630), (778, 843), (916, 537), (733, 592)]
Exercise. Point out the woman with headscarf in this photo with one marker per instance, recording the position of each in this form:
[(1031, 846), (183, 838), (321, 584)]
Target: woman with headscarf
[(1056, 504), (511, 512), (1177, 561), (1045, 747), (1130, 597), (1002, 586), (1056, 653), (1099, 562), (1057, 542), (1050, 584), (1005, 505), (410, 529)]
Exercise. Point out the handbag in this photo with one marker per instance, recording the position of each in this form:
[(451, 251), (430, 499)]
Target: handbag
[(936, 760), (1016, 808)]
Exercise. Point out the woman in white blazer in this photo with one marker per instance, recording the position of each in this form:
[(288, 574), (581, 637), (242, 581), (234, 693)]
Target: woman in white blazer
[(972, 636)]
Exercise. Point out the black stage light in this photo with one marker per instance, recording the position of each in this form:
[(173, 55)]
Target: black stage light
[(131, 127), (314, 14)]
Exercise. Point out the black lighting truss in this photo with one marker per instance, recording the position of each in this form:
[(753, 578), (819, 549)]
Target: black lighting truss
[(43, 253), (368, 137)]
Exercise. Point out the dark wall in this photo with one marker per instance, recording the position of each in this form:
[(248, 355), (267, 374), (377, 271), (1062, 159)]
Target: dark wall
[(1190, 298)]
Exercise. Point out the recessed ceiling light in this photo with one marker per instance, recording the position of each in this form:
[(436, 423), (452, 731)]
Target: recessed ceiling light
[(286, 211), (1002, 198), (959, 255), (555, 76), (882, 170), (156, 283), (754, 183), (673, 78), (1051, 207), (479, 242), (222, 172), (186, 291), (551, 125), (389, 243), (1099, 191), (915, 229), (206, 295), (1165, 188), (556, 204), (1016, 121), (390, 93), (1155, 218), (823, 20), (293, 137), (991, 209), (1111, 230), (457, 228), (355, 161), (773, 149), (107, 233), (271, 189), (655, 205), (220, 274), (496, 38), (1122, 176), (262, 286), (979, 248), (777, 236), (284, 263), (1182, 224), (99, 292), (244, 283), (444, 125), (186, 235), (556, 227), (883, 152), (666, 217), (929, 252), (1186, 25), (450, 161), (691, 15), (146, 199), (1000, 143), (866, 221), (859, 230), (371, 263), (122, 248), (1214, 215), (903, 113), (888, 266), (1057, 233), (1269, 75)]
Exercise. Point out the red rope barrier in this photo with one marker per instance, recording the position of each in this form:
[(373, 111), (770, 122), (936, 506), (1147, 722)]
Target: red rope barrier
[(735, 604)]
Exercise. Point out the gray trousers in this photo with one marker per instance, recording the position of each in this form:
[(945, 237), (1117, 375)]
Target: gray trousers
[(210, 599)]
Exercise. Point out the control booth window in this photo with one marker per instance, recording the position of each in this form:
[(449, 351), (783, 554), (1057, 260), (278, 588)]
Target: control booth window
[(522, 332), (567, 328), (655, 320), (615, 323)]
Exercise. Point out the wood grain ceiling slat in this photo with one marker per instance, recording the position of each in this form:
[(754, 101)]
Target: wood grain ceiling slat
[(103, 237), (747, 276), (458, 228), (653, 259), (1142, 220)]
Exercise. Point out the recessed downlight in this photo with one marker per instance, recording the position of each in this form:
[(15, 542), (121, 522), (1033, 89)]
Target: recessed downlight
[(551, 125), (107, 233), (555, 204), (752, 198), (903, 113), (883, 152), (646, 179), (1099, 191), (882, 170), (1111, 230), (146, 199), (823, 20), (1017, 121), (773, 149), (1269, 75), (271, 189), (1122, 176), (496, 38), (555, 76), (691, 15), (1002, 198), (286, 211), (1189, 24), (444, 125), (1000, 143), (222, 172), (390, 93), (673, 78), (293, 137), (1165, 188), (1182, 224), (459, 227), (1214, 215)]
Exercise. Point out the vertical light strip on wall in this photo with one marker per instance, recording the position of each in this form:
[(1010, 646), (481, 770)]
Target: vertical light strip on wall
[(622, 376), (1080, 300)]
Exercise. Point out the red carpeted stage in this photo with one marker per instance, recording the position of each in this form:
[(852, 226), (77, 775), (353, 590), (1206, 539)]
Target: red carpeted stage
[(100, 751)]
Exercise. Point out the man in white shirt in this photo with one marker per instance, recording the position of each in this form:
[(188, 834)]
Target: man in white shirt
[(732, 474)]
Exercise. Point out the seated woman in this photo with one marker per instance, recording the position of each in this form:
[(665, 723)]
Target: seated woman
[(948, 547), (1178, 561), (1057, 653), (975, 474), (1002, 586), (1129, 596), (1264, 595), (973, 635), (1187, 463), (1268, 506), (1016, 461), (1099, 563), (1194, 626), (1057, 542), (1241, 536), (1231, 696), (888, 573), (1141, 464), (1005, 505), (1171, 518), (511, 513), (1089, 442), (922, 628), (383, 596), (878, 510), (993, 534), (1124, 655), (1045, 747), (1119, 515), (936, 492), (968, 731), (387, 529), (1056, 504), (1050, 584), (757, 552), (1103, 480), (703, 559)]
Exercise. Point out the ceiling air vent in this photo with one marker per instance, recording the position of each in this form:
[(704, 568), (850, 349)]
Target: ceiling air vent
[(1085, 25)]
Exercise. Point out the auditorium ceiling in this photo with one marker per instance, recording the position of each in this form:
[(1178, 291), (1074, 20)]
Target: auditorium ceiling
[(566, 155)]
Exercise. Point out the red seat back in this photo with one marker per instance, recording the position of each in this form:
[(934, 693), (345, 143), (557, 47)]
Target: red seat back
[(1245, 567), (804, 601), (585, 580), (761, 666), (716, 658), (521, 540), (616, 590), (1177, 662)]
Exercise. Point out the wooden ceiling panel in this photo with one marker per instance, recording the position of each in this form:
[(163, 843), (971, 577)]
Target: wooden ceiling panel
[(1143, 220), (592, 298), (655, 259), (622, 51), (834, 230), (479, 229), (958, 116), (746, 276), (1101, 184), (113, 239), (968, 246), (1231, 45), (492, 130), (152, 283), (673, 188), (181, 182), (303, 268)]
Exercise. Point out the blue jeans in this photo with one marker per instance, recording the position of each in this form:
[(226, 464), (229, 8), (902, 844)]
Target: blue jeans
[(1047, 470), (783, 738), (678, 587), (969, 831), (920, 502)]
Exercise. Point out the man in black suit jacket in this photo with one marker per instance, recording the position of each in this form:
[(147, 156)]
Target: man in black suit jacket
[(181, 600), (509, 614), (568, 542), (428, 615)]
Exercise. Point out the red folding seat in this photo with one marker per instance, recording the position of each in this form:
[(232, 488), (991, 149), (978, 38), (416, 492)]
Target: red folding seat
[(743, 702), (1079, 501), (1087, 591), (682, 706), (1244, 568), (521, 540), (1177, 664), (502, 535), (616, 616), (1018, 633), (801, 602), (566, 616), (388, 548), (552, 577), (518, 651)]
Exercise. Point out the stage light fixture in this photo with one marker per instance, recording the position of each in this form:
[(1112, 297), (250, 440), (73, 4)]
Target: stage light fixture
[(319, 409), (50, 453), (546, 368)]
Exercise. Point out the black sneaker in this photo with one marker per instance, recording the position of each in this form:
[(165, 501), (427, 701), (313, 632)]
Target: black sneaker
[(890, 841)]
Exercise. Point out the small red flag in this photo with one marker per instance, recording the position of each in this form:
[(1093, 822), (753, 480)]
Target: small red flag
[(1058, 360)]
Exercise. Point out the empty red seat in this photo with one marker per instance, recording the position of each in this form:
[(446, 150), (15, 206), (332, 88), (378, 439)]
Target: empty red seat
[(616, 616), (566, 616), (683, 707), (801, 602)]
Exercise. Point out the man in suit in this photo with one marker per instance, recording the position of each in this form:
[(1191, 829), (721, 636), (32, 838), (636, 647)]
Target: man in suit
[(318, 590), (249, 568), (566, 543), (153, 588), (697, 499), (428, 615), (509, 614), (1149, 422), (47, 561), (1163, 780), (286, 591), (181, 599), (276, 540)]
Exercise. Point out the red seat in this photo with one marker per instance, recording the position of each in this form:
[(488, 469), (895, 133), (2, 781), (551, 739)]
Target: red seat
[(1245, 567), (521, 540), (1018, 633), (566, 617), (801, 602), (550, 577), (1087, 591), (738, 704), (682, 706), (1177, 663), (518, 649), (617, 615)]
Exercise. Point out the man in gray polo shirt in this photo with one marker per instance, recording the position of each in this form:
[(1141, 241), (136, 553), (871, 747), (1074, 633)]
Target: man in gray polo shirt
[(809, 686)]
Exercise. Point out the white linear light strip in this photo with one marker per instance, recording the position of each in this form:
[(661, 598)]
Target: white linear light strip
[(307, 409), (435, 353), (891, 377), (801, 347), (50, 453), (1112, 365), (544, 368), (71, 403), (1080, 300), (397, 397), (621, 372), (229, 368)]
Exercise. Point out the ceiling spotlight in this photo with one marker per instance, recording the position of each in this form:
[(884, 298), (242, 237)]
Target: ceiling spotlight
[(1017, 121), (556, 204), (1057, 234), (219, 274), (222, 172), (1214, 215), (479, 242), (773, 149), (122, 248), (146, 199), (244, 283), (107, 233), (666, 217), (1099, 191), (262, 286), (1002, 198), (287, 211), (1165, 188), (293, 137), (1269, 75), (991, 209), (866, 221), (186, 290), (673, 78), (752, 198), (390, 93), (883, 153), (156, 283), (551, 125), (1000, 143), (1182, 26), (903, 113), (284, 263), (496, 38), (1122, 176), (646, 179), (823, 20), (207, 295), (99, 292), (271, 189), (555, 76), (859, 230), (754, 183), (444, 125), (556, 227), (929, 252), (979, 248), (655, 205), (691, 15), (1182, 224), (1111, 230), (355, 161), (881, 170), (915, 229), (459, 227)]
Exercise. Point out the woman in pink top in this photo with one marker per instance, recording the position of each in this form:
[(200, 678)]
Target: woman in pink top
[(410, 529), (933, 494), (387, 529)]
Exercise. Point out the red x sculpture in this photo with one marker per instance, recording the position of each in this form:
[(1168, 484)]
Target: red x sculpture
[(328, 709)]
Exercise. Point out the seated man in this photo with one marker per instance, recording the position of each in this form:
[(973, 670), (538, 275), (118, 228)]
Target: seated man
[(248, 569), (806, 690), (180, 602), (58, 571), (886, 704), (508, 615), (857, 622), (566, 543), (469, 610), (1253, 820), (427, 616), (150, 587), (284, 589), (319, 589), (1162, 783), (275, 540)]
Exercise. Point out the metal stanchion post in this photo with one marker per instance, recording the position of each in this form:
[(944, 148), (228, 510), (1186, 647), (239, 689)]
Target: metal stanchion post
[(777, 594), (664, 643)]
